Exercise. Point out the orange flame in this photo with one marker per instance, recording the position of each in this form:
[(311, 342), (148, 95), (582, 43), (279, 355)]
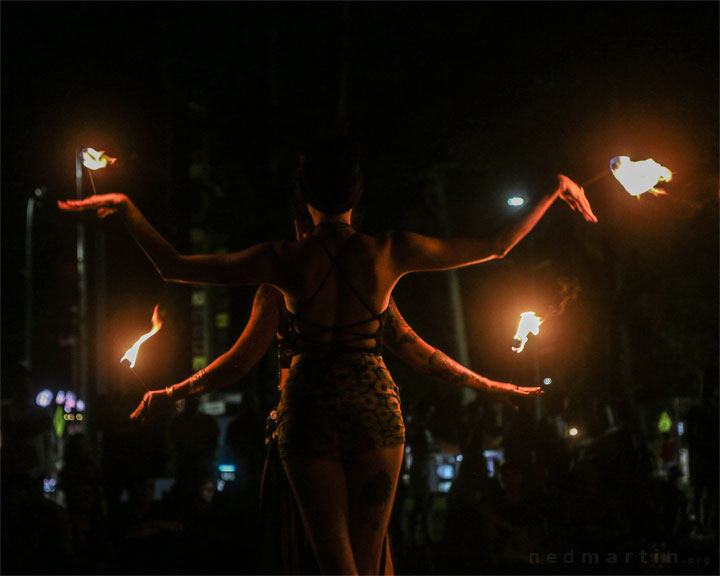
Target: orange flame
[(132, 352), (639, 177), (529, 324), (95, 160)]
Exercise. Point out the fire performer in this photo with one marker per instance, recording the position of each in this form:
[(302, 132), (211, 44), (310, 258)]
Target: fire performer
[(340, 427), (267, 321)]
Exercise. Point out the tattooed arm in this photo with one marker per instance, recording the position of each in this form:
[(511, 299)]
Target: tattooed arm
[(231, 366), (402, 341)]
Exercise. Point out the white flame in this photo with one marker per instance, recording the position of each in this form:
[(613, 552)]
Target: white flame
[(132, 352), (95, 160), (639, 177), (529, 324)]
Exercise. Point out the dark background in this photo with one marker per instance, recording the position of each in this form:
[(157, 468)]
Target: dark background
[(208, 105)]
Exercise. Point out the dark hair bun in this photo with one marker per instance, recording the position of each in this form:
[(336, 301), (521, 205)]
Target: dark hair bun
[(329, 175)]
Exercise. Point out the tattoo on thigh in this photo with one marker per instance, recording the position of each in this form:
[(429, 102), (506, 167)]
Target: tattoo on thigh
[(375, 494)]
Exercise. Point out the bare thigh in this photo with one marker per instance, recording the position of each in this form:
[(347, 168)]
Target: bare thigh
[(372, 479), (321, 493)]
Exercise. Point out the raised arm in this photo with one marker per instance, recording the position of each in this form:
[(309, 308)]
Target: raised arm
[(402, 341), (231, 366), (414, 252), (251, 266)]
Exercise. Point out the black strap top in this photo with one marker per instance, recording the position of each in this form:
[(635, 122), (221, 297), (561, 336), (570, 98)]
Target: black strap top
[(310, 339)]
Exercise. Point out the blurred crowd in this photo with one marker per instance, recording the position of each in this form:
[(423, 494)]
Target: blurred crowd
[(150, 500)]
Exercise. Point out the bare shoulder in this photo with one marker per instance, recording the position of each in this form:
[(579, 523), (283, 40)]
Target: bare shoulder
[(379, 241), (400, 241), (282, 248), (268, 293)]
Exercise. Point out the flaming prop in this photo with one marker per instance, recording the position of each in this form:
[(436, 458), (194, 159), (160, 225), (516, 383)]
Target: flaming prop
[(132, 352), (94, 160), (529, 324), (639, 177)]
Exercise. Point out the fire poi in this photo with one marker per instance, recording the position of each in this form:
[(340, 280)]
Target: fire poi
[(95, 160), (639, 177), (132, 352), (529, 324)]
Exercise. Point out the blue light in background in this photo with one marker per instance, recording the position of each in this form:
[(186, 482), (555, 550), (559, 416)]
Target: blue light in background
[(445, 471)]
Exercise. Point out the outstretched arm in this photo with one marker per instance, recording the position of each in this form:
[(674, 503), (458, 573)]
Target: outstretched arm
[(253, 265), (402, 341), (414, 252), (231, 366)]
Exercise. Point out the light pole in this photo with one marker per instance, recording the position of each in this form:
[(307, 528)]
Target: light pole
[(82, 279)]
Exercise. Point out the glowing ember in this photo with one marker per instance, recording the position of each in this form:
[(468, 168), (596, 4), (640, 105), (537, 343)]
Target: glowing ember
[(529, 324), (639, 177), (131, 354), (95, 160)]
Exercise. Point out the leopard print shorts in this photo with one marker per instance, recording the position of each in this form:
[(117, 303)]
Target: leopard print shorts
[(336, 409)]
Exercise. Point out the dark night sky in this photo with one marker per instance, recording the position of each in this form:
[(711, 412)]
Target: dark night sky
[(494, 96)]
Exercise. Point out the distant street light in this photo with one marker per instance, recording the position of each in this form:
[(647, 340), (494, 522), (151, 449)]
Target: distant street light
[(44, 398), (515, 201)]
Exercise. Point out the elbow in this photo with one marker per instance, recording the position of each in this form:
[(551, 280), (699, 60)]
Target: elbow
[(504, 244), (172, 269), (503, 249), (168, 274)]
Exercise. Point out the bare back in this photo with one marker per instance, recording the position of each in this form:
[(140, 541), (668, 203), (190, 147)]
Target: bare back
[(337, 285)]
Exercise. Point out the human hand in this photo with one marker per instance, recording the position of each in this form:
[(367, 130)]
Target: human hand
[(104, 204), (529, 391), (574, 196), (513, 389), (153, 404)]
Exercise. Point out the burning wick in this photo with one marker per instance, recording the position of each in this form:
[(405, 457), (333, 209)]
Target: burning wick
[(636, 177), (529, 324), (94, 160), (132, 352), (639, 177)]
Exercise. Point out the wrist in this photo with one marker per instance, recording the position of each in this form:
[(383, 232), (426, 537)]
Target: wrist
[(124, 203), (198, 383)]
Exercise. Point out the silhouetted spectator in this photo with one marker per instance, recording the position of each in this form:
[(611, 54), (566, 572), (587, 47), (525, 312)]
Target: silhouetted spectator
[(195, 439), (245, 439), (148, 540), (81, 481), (674, 504), (36, 532), (666, 453), (702, 438)]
